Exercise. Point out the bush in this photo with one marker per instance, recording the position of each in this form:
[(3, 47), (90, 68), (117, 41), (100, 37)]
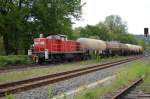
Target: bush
[(14, 60)]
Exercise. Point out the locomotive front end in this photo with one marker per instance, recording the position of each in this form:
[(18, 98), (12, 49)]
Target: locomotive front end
[(38, 51)]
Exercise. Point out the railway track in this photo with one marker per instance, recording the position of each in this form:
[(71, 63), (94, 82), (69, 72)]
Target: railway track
[(122, 94), (23, 85), (132, 92)]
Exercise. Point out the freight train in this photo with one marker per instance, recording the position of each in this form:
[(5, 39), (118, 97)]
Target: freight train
[(56, 48)]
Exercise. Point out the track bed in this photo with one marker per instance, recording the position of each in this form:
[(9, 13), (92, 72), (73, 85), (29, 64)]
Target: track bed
[(49, 79)]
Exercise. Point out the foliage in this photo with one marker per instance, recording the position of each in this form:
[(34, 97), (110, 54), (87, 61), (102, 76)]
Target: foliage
[(1, 46), (146, 84), (113, 28), (115, 24), (144, 41), (22, 20), (10, 96), (14, 60), (49, 92), (127, 38)]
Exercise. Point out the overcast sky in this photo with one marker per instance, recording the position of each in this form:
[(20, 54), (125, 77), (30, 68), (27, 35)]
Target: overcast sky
[(135, 12)]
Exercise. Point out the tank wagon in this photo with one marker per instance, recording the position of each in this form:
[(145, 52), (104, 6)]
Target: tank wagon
[(56, 48), (113, 48), (140, 49), (123, 49), (92, 46), (134, 49)]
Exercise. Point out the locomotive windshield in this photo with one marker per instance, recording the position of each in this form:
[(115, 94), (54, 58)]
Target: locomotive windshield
[(58, 37)]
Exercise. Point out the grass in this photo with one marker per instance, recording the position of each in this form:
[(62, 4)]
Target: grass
[(10, 96), (14, 60), (146, 85), (28, 73), (123, 77), (49, 92)]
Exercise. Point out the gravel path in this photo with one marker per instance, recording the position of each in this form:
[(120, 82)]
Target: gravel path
[(63, 86)]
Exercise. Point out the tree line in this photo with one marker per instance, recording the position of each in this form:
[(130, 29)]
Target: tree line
[(23, 20), (113, 28)]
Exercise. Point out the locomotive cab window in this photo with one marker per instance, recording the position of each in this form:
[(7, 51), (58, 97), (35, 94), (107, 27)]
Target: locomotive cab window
[(58, 37)]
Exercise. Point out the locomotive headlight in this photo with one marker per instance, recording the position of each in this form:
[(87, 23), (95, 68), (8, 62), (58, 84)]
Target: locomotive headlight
[(29, 52), (35, 43)]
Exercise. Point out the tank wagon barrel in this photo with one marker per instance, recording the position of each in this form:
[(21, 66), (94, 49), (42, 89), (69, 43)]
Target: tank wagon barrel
[(114, 48), (91, 44), (134, 49), (113, 45)]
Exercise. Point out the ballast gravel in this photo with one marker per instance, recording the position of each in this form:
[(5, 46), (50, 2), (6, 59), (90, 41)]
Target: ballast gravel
[(48, 91)]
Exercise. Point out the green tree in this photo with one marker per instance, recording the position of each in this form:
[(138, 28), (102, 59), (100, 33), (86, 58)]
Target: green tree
[(115, 24), (127, 38), (54, 16), (142, 43), (103, 31), (21, 20)]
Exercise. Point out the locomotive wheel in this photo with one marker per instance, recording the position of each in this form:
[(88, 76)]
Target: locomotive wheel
[(40, 60)]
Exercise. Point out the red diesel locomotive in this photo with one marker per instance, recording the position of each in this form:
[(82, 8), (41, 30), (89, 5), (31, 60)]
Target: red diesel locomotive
[(55, 48)]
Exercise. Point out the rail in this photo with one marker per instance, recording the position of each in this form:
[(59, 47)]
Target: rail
[(23, 85), (126, 90)]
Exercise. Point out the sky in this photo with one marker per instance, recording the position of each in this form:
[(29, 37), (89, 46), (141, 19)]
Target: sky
[(135, 12)]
